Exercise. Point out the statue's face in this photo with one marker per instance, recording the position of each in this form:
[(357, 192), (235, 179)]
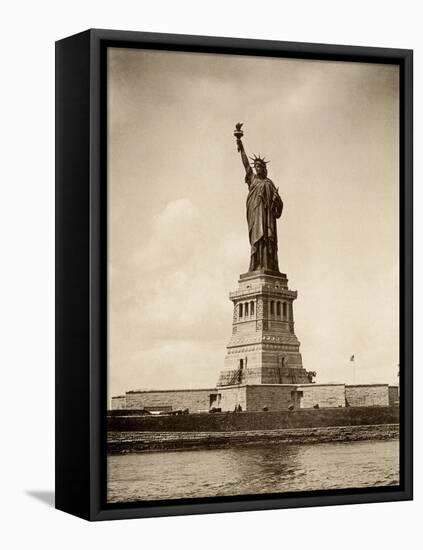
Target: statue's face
[(260, 169)]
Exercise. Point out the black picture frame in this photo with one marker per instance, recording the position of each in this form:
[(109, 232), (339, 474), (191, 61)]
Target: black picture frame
[(81, 272)]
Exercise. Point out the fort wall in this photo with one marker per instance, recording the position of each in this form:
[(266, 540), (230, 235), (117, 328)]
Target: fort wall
[(258, 397), (367, 395), (167, 400)]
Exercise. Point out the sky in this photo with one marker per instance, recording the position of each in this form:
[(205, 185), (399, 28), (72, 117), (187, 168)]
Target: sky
[(178, 236)]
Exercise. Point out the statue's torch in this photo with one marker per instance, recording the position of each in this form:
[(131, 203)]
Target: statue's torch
[(238, 133)]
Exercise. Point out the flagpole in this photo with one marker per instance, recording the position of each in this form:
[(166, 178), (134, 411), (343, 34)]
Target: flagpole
[(352, 360)]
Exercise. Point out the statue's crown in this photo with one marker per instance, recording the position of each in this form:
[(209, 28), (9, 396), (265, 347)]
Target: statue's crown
[(259, 159)]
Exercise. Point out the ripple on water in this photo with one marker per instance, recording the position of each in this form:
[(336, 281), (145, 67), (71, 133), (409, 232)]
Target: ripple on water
[(252, 470)]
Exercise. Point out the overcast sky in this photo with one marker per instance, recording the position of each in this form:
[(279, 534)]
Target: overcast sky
[(178, 236)]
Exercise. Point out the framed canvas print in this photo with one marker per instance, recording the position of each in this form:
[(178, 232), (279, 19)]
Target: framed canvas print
[(233, 274)]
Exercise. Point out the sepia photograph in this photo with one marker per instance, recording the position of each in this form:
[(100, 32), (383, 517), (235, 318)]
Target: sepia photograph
[(253, 272), (209, 248)]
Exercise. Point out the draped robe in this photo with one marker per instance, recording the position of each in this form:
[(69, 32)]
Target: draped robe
[(264, 207)]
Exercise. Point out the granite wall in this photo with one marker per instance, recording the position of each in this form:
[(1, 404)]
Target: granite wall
[(119, 402), (257, 397), (231, 397), (367, 395), (168, 400), (276, 397), (393, 395), (321, 395)]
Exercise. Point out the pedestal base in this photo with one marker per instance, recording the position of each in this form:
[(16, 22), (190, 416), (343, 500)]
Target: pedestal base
[(264, 348)]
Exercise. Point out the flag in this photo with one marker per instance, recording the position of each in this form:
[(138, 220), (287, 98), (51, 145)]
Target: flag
[(352, 358)]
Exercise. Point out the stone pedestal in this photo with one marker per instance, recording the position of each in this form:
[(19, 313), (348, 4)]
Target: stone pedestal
[(263, 348)]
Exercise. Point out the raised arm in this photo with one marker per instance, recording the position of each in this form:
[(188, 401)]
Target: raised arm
[(244, 158)]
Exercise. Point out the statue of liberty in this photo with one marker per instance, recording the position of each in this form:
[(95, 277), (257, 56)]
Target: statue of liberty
[(264, 207)]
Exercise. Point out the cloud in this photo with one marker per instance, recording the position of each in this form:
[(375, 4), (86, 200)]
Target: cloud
[(173, 240), (164, 313)]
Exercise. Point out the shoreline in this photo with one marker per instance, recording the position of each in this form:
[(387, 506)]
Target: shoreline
[(126, 442)]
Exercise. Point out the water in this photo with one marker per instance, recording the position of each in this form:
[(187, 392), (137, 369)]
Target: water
[(252, 470)]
